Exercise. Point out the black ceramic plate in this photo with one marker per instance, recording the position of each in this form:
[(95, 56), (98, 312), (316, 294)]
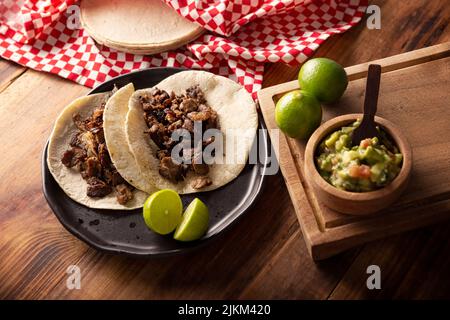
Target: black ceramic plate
[(125, 231)]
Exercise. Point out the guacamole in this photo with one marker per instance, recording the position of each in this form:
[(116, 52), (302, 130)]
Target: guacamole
[(367, 167)]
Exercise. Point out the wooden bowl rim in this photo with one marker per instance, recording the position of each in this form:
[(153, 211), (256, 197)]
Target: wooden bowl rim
[(338, 122)]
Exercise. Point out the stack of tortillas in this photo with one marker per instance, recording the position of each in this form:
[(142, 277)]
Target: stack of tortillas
[(138, 26)]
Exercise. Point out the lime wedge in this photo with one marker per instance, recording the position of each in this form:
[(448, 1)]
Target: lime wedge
[(162, 211), (194, 222)]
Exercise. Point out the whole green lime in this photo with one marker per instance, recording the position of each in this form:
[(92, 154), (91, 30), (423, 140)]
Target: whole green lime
[(298, 113), (324, 78)]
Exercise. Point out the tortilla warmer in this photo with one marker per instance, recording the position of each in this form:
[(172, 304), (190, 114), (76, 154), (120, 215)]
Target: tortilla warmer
[(242, 36)]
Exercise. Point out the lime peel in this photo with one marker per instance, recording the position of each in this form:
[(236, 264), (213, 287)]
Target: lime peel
[(298, 113), (194, 223), (162, 211), (324, 78)]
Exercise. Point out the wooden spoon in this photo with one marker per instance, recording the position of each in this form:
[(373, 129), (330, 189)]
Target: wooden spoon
[(367, 128)]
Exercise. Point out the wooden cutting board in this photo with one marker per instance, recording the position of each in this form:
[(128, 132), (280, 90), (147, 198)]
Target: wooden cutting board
[(415, 95)]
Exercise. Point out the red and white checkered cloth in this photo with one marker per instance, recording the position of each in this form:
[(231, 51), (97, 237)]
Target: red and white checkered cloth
[(244, 34)]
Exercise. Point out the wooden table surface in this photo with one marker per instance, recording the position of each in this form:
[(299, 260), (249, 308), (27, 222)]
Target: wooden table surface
[(262, 257)]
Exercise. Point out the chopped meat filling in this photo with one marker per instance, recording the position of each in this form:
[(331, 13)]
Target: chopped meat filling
[(170, 170), (123, 193), (89, 155), (201, 182), (73, 157), (97, 188), (164, 113)]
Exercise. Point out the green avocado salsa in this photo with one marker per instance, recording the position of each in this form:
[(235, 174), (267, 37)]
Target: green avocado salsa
[(367, 167)]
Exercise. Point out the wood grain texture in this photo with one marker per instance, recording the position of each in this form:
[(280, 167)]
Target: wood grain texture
[(38, 249), (413, 266), (263, 256), (8, 73)]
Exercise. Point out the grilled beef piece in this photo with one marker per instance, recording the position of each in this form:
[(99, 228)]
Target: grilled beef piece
[(93, 167), (73, 157), (188, 125), (207, 116), (162, 153), (201, 182), (117, 179), (170, 170), (89, 154), (157, 131), (188, 105), (97, 188), (103, 155), (123, 193), (112, 177), (164, 113), (78, 123), (67, 158), (196, 93), (200, 168), (197, 165), (199, 115)]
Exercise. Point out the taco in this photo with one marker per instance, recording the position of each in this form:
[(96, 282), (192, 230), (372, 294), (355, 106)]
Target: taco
[(180, 102), (114, 117), (79, 160)]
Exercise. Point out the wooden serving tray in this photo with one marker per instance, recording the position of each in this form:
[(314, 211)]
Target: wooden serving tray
[(415, 95)]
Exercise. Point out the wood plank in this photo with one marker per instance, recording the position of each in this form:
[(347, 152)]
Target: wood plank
[(289, 276), (422, 281), (8, 73), (36, 250), (36, 255), (388, 64), (413, 266)]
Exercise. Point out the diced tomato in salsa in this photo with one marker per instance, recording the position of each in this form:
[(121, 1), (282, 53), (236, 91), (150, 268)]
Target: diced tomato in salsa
[(365, 143), (361, 171)]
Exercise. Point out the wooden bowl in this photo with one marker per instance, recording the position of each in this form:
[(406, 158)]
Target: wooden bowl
[(357, 203)]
